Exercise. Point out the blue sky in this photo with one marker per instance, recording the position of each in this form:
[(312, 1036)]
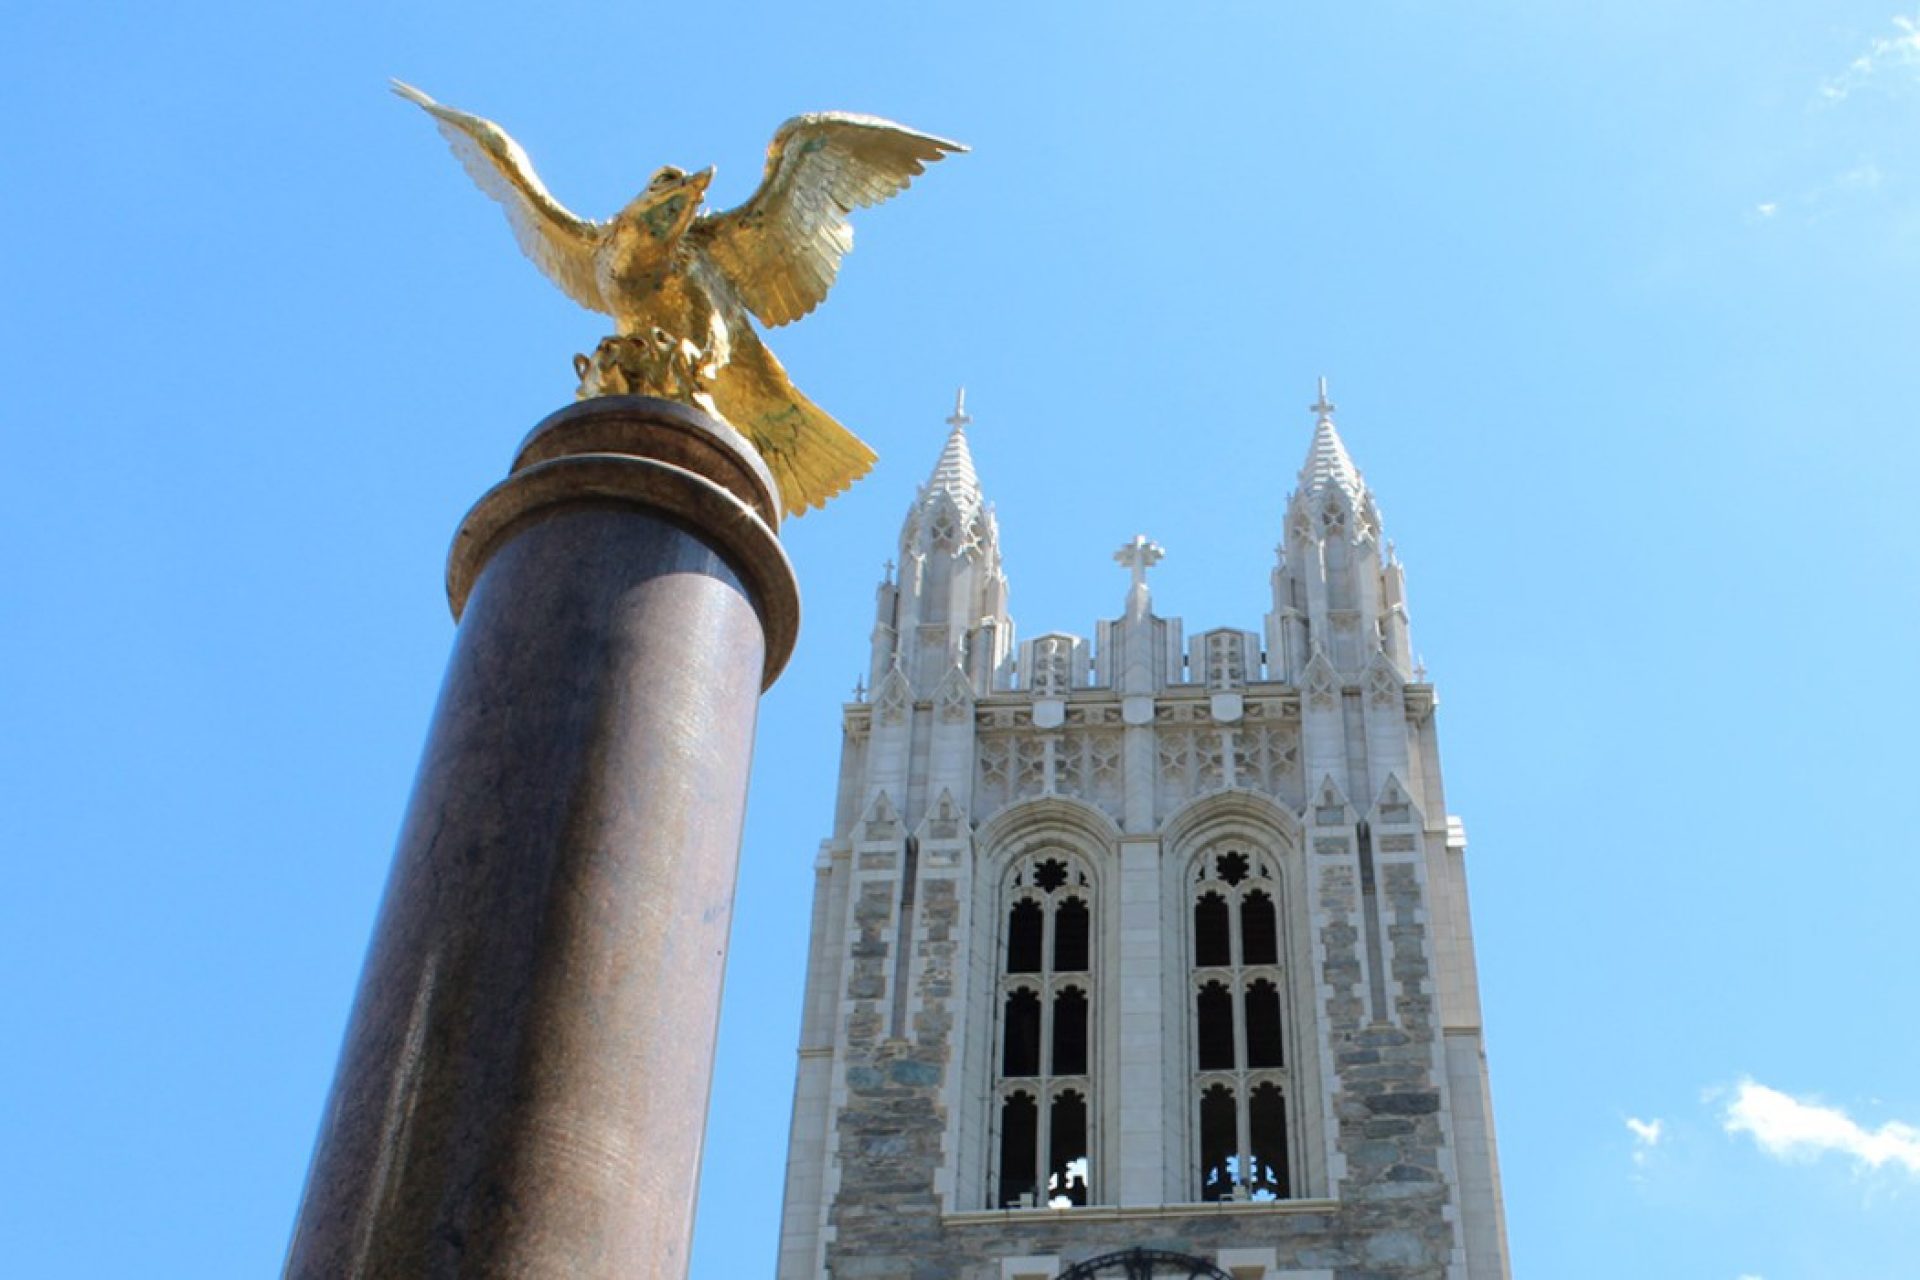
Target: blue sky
[(1618, 303)]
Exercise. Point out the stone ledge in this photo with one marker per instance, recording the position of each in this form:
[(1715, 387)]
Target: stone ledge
[(1115, 1213)]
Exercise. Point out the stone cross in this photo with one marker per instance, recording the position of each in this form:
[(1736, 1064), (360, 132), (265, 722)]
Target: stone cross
[(960, 417), (1322, 407), (1139, 556)]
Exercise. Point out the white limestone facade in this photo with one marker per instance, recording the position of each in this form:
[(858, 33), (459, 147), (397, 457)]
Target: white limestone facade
[(1143, 954)]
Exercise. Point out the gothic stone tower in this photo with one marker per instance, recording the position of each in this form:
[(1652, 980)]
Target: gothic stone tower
[(1148, 956)]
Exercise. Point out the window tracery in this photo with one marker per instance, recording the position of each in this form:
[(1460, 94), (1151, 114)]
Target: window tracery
[(1044, 1069), (1242, 1087)]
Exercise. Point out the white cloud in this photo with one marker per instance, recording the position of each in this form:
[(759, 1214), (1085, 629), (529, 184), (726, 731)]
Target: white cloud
[(1833, 196), (1793, 1128), (1646, 1136), (1748, 1275), (1894, 54), (1860, 178)]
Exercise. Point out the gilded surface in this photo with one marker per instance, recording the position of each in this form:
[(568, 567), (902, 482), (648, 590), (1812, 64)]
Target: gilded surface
[(680, 283)]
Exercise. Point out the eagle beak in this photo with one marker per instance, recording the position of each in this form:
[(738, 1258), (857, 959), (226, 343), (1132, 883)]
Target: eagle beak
[(699, 181)]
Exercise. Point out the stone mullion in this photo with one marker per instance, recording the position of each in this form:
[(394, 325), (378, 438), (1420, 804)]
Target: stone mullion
[(1237, 1006), (1046, 941), (1043, 1137), (1196, 1079), (1243, 1129)]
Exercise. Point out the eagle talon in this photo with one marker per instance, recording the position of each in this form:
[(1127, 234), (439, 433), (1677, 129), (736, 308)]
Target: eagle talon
[(656, 365)]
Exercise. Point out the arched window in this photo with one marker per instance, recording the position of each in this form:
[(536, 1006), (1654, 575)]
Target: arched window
[(1045, 1036), (1242, 1089)]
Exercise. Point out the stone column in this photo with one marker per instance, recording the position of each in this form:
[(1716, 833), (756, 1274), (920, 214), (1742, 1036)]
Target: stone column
[(523, 1088), (1145, 1171)]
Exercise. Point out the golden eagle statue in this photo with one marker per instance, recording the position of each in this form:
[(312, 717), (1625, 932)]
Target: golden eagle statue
[(679, 283)]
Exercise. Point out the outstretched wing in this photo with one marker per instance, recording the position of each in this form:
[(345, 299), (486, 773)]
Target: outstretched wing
[(782, 248), (560, 244)]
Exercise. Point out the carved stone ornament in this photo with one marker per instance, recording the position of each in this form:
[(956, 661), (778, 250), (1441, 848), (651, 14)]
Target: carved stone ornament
[(955, 698), (1383, 682), (1329, 804), (1268, 758), (896, 695), (944, 823), (1393, 808), (882, 821), (1323, 685)]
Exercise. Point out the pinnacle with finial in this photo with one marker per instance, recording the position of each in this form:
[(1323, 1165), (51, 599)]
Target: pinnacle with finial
[(1327, 460), (1323, 408), (953, 474)]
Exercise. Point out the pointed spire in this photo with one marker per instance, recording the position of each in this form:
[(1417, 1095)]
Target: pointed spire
[(953, 474), (1328, 464)]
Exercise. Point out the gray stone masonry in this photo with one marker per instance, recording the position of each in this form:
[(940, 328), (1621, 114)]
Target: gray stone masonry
[(1140, 760)]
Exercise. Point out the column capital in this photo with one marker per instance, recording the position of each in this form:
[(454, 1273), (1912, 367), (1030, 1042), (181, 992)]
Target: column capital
[(656, 455)]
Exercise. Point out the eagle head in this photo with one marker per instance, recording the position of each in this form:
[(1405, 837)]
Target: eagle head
[(670, 200)]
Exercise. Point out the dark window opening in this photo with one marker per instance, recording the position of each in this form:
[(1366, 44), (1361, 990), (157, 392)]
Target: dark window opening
[(1067, 1150), (1263, 1025), (1212, 931), (1020, 1050), (1025, 926), (1072, 925), (1215, 1040), (1232, 867), (1259, 932), (1019, 1148), (1070, 1033), (1267, 1131), (1218, 1160), (1045, 1030)]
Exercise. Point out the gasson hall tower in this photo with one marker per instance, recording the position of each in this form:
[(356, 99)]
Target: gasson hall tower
[(1148, 955)]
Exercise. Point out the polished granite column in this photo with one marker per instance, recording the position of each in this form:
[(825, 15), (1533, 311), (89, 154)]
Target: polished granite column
[(523, 1088)]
